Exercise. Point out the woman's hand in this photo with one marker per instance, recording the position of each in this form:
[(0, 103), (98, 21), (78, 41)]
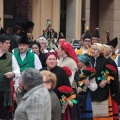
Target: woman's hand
[(103, 83), (87, 82)]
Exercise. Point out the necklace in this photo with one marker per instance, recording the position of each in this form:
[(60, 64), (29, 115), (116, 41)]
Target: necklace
[(64, 58)]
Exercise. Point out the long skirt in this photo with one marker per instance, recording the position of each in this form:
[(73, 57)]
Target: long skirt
[(75, 110), (66, 115), (110, 111), (87, 111), (115, 110)]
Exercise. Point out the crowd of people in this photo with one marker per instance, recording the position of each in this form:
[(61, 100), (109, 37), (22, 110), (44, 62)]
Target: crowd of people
[(47, 79)]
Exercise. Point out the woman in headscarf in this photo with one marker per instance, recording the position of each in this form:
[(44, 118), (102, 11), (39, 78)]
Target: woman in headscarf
[(84, 85), (36, 49), (62, 79), (68, 58), (101, 98), (114, 84)]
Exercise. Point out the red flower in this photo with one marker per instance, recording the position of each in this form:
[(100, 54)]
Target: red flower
[(110, 68), (90, 69), (88, 72), (67, 70), (65, 89)]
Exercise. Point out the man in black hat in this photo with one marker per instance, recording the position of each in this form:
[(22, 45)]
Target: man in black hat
[(86, 44), (25, 58), (113, 43), (96, 36), (9, 69)]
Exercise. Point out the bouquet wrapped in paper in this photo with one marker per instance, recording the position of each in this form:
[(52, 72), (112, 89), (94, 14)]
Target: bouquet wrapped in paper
[(86, 73), (67, 97)]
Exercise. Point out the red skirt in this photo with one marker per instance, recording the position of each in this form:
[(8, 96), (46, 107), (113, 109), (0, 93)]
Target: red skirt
[(115, 110)]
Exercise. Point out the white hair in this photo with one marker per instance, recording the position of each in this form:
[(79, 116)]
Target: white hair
[(43, 39), (108, 49)]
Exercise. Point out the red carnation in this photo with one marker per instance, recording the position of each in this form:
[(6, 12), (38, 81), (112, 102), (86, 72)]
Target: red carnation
[(111, 68), (65, 89), (68, 71), (89, 71)]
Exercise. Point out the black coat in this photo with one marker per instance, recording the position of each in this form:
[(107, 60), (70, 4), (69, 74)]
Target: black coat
[(100, 94), (62, 78), (55, 105), (114, 84), (14, 40), (42, 57)]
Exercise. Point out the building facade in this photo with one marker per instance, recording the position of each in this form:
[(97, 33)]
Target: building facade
[(69, 16), (64, 14), (105, 15)]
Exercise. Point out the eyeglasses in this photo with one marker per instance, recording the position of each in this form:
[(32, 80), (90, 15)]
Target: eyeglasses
[(47, 82), (87, 40)]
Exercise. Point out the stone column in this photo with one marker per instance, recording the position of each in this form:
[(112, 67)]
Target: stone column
[(43, 10), (106, 18), (73, 20), (116, 21), (36, 17), (56, 15), (1, 12), (87, 13)]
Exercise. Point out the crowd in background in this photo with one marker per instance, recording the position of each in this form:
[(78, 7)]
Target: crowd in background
[(52, 79)]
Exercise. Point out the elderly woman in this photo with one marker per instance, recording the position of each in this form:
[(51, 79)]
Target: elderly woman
[(84, 96), (35, 103), (49, 81), (114, 84), (36, 49), (101, 98), (44, 45), (62, 79)]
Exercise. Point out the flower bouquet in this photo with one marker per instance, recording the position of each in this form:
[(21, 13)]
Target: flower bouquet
[(86, 73), (67, 97), (108, 74)]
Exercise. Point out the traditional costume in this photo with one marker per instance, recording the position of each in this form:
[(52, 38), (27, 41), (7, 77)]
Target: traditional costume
[(27, 59), (101, 97), (8, 63), (114, 84), (84, 97), (82, 50), (113, 43), (96, 36), (71, 62)]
